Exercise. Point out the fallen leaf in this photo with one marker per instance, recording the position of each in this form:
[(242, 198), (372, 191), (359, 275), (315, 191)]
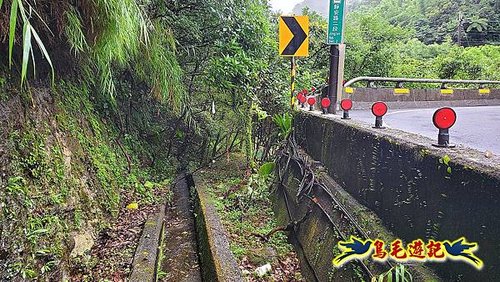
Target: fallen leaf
[(133, 206)]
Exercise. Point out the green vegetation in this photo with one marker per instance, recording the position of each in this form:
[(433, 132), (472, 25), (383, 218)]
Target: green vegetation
[(468, 23), (17, 6), (410, 39), (101, 102), (104, 37), (137, 89), (245, 208), (397, 273), (61, 178)]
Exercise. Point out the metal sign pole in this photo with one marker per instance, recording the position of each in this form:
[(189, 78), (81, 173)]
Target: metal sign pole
[(333, 79), (293, 42), (292, 84), (340, 85), (335, 38)]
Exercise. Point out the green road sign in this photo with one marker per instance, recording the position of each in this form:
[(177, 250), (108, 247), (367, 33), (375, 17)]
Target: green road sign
[(336, 22)]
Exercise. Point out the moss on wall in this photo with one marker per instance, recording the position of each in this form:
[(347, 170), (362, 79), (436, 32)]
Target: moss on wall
[(62, 169)]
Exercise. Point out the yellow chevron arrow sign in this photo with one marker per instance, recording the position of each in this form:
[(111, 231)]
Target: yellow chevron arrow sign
[(294, 36)]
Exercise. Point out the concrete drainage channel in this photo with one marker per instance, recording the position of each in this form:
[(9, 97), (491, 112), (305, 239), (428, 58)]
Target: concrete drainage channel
[(176, 245)]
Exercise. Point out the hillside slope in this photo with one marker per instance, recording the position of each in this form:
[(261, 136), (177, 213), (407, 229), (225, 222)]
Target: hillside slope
[(65, 171), (322, 6)]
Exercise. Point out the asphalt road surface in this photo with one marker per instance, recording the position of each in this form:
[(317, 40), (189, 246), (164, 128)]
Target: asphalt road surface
[(476, 127)]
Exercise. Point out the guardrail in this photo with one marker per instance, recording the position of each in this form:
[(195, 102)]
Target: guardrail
[(400, 81), (406, 97), (370, 80)]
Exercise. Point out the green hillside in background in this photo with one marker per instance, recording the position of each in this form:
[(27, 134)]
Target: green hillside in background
[(468, 23)]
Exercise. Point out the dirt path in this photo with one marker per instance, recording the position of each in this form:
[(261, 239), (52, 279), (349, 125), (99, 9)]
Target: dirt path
[(180, 248)]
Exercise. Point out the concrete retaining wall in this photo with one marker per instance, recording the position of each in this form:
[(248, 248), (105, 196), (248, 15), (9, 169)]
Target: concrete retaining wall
[(408, 184), (321, 223), (217, 260)]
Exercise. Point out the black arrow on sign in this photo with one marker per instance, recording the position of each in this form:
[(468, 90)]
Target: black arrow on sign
[(299, 36)]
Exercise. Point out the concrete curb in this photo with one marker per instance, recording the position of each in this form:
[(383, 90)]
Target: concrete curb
[(217, 261), (144, 266)]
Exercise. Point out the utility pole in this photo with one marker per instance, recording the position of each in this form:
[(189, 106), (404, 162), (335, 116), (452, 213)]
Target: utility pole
[(460, 22)]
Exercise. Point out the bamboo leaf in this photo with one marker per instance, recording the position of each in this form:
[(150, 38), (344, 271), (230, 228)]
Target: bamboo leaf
[(12, 28), (34, 64), (410, 277), (400, 273), (21, 9), (44, 51), (39, 17), (26, 50)]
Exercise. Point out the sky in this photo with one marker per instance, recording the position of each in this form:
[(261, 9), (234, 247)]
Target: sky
[(284, 5)]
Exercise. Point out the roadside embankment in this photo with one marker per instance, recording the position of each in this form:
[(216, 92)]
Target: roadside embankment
[(418, 191)]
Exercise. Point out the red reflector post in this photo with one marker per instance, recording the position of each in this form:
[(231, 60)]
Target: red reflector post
[(325, 104), (346, 105), (379, 109), (444, 119), (301, 98), (311, 101)]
